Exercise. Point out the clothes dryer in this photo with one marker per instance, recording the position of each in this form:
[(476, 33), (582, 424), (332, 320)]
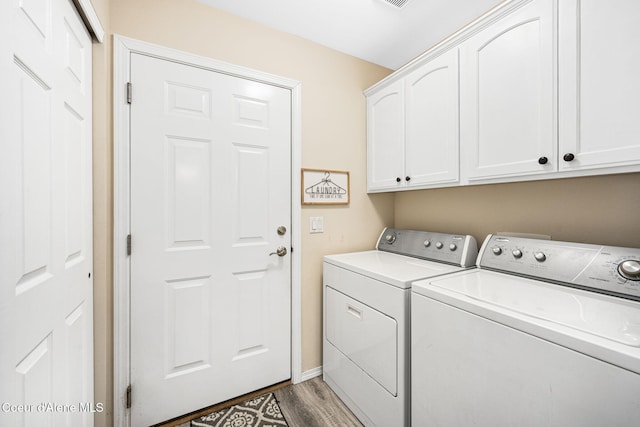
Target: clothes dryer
[(367, 320)]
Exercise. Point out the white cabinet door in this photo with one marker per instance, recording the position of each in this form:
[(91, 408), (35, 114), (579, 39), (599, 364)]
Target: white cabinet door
[(507, 95), (431, 145), (599, 93), (385, 138)]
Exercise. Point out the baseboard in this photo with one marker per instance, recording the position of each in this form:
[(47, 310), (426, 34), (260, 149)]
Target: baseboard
[(311, 373)]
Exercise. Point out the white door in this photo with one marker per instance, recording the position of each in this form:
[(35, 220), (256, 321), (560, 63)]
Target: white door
[(46, 250), (210, 186), (385, 138), (431, 91), (507, 95), (599, 85)]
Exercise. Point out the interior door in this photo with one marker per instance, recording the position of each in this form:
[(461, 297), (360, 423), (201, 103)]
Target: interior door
[(46, 250), (210, 206)]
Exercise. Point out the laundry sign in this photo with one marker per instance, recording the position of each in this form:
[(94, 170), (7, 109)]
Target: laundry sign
[(320, 187)]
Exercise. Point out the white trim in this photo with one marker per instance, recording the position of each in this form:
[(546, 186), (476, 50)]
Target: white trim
[(296, 237), (311, 373), (90, 18), (122, 50)]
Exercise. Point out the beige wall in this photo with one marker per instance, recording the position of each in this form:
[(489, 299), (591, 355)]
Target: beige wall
[(333, 137), (597, 209)]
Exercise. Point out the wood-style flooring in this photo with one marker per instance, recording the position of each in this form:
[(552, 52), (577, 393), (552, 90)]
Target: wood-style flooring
[(309, 404), (313, 404)]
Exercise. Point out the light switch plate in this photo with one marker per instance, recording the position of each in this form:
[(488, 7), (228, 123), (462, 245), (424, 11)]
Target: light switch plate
[(316, 224)]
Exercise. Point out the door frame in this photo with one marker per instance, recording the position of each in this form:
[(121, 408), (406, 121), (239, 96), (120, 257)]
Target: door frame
[(123, 48)]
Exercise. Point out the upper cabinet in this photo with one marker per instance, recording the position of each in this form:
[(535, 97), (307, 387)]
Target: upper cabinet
[(431, 120), (534, 89), (412, 128), (507, 95), (599, 84), (385, 137)]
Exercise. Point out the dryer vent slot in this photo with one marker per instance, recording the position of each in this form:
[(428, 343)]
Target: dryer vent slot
[(396, 3)]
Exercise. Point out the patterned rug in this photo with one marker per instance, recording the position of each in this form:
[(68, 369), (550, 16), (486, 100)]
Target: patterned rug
[(263, 411)]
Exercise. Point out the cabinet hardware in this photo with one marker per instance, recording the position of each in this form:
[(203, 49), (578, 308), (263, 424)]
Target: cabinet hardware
[(568, 157), (543, 160)]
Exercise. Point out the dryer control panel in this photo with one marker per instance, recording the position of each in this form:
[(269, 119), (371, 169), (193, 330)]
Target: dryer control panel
[(608, 269), (458, 249)]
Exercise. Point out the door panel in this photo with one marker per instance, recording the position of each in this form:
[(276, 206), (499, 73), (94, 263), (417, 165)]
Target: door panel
[(599, 88), (432, 121), (385, 138), (187, 327), (188, 193), (210, 184), (46, 295), (507, 95)]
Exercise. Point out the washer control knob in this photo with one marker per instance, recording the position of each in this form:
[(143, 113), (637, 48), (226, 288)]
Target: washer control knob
[(497, 250), (540, 256), (453, 247), (517, 253), (439, 245), (630, 269), (390, 238), (427, 243)]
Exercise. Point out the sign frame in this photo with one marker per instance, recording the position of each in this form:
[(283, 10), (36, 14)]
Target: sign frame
[(325, 187)]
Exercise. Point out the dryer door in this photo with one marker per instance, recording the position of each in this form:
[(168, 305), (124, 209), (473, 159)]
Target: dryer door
[(366, 336)]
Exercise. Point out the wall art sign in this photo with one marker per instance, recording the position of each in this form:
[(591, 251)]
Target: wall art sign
[(325, 187)]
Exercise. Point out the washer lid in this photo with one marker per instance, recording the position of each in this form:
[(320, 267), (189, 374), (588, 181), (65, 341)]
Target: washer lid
[(397, 270), (603, 326)]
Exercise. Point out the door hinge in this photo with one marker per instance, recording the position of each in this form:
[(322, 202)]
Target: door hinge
[(129, 244), (128, 396), (129, 91)]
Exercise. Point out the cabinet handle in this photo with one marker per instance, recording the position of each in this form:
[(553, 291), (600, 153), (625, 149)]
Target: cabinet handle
[(543, 160), (398, 179), (568, 157), (407, 178)]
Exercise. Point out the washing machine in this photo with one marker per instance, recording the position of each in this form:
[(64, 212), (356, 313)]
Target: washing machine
[(366, 357), (543, 333)]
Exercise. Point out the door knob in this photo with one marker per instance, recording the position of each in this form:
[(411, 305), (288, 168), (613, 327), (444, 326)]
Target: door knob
[(280, 251)]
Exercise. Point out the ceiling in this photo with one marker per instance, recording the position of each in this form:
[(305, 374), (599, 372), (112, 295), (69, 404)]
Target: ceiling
[(373, 30)]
